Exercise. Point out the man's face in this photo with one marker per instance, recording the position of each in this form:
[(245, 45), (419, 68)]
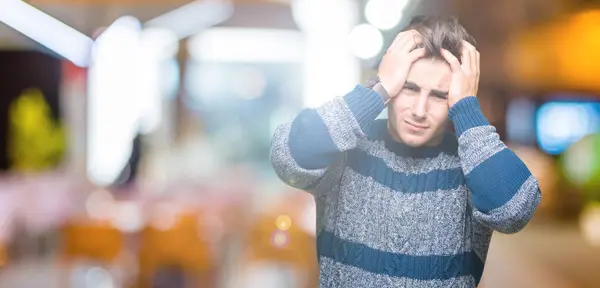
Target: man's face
[(419, 114)]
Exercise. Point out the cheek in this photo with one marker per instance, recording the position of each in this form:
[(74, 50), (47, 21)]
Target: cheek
[(400, 103), (439, 113), (396, 111)]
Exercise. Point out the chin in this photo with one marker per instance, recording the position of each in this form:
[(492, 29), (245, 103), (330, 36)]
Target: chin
[(414, 140)]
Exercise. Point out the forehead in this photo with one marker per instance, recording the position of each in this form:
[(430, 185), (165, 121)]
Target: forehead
[(430, 73)]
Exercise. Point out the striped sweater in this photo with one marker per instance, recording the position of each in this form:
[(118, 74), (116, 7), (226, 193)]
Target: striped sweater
[(389, 215)]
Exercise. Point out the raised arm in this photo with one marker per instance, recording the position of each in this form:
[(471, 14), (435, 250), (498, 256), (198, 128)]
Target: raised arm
[(313, 144), (311, 148), (504, 193)]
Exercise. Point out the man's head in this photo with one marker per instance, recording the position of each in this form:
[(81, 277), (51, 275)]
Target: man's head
[(418, 116)]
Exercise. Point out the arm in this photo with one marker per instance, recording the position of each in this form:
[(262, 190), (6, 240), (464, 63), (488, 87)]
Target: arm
[(309, 153), (504, 193), (311, 148)]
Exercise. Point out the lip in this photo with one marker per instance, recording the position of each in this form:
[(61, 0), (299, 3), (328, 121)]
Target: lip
[(415, 126)]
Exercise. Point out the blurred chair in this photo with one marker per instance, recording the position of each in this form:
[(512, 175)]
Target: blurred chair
[(177, 247), (89, 241), (275, 242), (3, 255)]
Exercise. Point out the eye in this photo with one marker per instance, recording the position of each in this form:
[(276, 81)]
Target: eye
[(410, 89), (439, 97)]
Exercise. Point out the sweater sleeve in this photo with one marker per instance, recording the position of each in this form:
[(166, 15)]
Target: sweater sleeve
[(311, 147), (504, 193)]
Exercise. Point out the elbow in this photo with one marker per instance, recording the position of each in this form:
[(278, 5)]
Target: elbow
[(514, 216), (513, 225), (286, 167)]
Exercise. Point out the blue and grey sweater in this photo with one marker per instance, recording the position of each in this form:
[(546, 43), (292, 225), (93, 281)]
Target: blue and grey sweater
[(393, 216)]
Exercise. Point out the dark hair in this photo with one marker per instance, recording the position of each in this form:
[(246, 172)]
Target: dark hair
[(440, 32)]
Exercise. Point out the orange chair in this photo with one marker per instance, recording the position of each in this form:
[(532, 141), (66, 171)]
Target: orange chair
[(274, 238), (179, 245), (90, 241), (3, 255)]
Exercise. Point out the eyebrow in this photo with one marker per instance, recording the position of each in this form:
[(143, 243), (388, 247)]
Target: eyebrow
[(435, 92)]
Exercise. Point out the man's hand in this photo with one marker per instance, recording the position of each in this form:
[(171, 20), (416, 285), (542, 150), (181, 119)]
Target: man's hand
[(396, 63), (465, 76)]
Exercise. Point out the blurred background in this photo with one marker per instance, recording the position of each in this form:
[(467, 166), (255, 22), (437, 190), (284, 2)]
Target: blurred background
[(135, 134)]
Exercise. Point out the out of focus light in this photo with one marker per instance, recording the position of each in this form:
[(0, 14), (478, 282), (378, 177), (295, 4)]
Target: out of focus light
[(46, 30), (581, 165), (162, 42), (156, 46), (559, 124), (125, 93), (589, 223), (127, 216), (520, 121), (164, 216), (579, 161), (280, 239), (99, 205), (193, 17), (365, 41), (247, 45), (385, 14), (330, 69), (283, 222), (112, 118), (98, 277)]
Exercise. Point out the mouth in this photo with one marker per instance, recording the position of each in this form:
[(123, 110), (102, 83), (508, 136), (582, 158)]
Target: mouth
[(415, 126)]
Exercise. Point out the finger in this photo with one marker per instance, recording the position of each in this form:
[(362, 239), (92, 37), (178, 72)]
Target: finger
[(451, 59), (466, 59), (477, 63), (473, 54), (398, 39), (416, 54), (409, 42)]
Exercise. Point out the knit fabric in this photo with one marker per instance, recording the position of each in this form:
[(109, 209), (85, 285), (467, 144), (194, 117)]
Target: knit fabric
[(389, 215)]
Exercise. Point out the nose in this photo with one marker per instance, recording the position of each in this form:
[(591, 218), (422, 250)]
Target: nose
[(419, 110)]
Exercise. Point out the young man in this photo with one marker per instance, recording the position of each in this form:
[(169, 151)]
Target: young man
[(404, 202)]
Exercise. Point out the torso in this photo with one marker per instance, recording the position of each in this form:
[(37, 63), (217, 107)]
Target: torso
[(390, 207)]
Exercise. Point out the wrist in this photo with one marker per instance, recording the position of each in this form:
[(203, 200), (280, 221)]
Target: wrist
[(385, 96), (376, 85), (389, 88)]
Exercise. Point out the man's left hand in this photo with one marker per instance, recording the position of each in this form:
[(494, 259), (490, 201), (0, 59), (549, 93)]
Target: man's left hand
[(465, 76)]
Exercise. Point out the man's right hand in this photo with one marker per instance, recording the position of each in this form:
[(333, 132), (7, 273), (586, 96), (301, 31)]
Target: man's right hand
[(396, 62)]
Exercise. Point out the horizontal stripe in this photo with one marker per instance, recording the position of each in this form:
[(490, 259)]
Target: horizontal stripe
[(338, 275), (284, 164), (477, 145), (398, 265), (343, 128), (309, 141), (516, 213), (495, 181), (377, 169), (381, 218), (408, 165)]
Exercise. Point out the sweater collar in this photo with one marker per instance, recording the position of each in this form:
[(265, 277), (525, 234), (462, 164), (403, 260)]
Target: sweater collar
[(379, 131)]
